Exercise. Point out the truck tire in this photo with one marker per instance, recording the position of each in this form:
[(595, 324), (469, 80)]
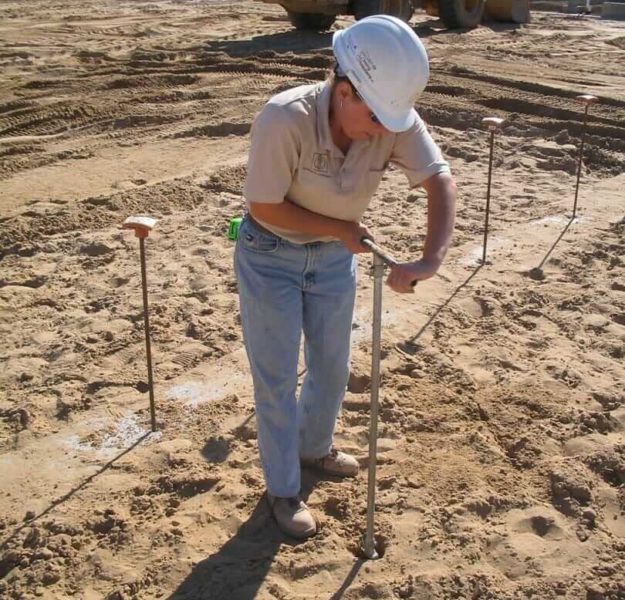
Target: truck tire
[(402, 9), (310, 21), (457, 14)]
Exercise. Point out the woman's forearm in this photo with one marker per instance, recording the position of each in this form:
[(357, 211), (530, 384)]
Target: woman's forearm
[(287, 215), (441, 191)]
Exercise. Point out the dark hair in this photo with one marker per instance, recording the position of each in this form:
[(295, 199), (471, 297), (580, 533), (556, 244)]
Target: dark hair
[(338, 76)]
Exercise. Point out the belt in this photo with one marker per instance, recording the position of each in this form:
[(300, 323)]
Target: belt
[(258, 226), (266, 231)]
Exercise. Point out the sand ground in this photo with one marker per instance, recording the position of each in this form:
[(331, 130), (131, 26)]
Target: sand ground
[(501, 466)]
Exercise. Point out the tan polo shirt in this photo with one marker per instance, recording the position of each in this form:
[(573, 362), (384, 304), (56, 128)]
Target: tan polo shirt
[(293, 156)]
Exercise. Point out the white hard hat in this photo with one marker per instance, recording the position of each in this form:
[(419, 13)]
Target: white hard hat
[(387, 64)]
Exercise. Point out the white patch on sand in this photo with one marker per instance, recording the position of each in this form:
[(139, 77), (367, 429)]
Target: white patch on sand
[(127, 432), (557, 220), (195, 393), (474, 258)]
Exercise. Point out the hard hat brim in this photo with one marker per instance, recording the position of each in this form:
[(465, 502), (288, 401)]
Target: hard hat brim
[(395, 121)]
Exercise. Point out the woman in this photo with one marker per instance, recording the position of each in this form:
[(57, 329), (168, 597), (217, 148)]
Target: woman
[(317, 156)]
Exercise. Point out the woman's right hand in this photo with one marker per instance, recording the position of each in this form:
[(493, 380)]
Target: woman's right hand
[(351, 235)]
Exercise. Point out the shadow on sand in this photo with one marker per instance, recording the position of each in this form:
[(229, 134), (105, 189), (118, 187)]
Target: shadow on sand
[(553, 247), (239, 569), (303, 42), (411, 341), (73, 491)]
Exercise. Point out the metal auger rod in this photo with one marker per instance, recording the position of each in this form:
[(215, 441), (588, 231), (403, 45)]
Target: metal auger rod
[(142, 225), (378, 272), (490, 175), (381, 258), (579, 160), (492, 124), (587, 99), (146, 322)]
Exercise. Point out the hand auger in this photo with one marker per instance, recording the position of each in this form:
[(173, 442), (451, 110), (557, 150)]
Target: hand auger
[(586, 100), (380, 259), (142, 226), (493, 124)]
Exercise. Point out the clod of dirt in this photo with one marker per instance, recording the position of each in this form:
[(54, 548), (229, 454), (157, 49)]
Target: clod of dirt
[(609, 400), (569, 491), (358, 384), (590, 517), (186, 486), (609, 463), (107, 522), (598, 421), (595, 592), (96, 249)]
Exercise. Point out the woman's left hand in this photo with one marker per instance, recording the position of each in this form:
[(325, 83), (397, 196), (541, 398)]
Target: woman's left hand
[(404, 276)]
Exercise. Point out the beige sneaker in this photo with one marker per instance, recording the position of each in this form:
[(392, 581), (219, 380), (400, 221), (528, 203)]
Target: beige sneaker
[(335, 463), (293, 516)]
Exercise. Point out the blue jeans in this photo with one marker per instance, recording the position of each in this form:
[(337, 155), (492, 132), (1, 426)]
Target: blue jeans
[(284, 289)]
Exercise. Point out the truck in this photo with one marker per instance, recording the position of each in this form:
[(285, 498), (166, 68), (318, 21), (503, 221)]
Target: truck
[(319, 15)]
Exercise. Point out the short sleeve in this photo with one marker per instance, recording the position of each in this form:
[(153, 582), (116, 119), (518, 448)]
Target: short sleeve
[(417, 155), (273, 156)]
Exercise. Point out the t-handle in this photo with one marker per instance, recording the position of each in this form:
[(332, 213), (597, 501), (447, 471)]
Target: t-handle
[(141, 225)]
